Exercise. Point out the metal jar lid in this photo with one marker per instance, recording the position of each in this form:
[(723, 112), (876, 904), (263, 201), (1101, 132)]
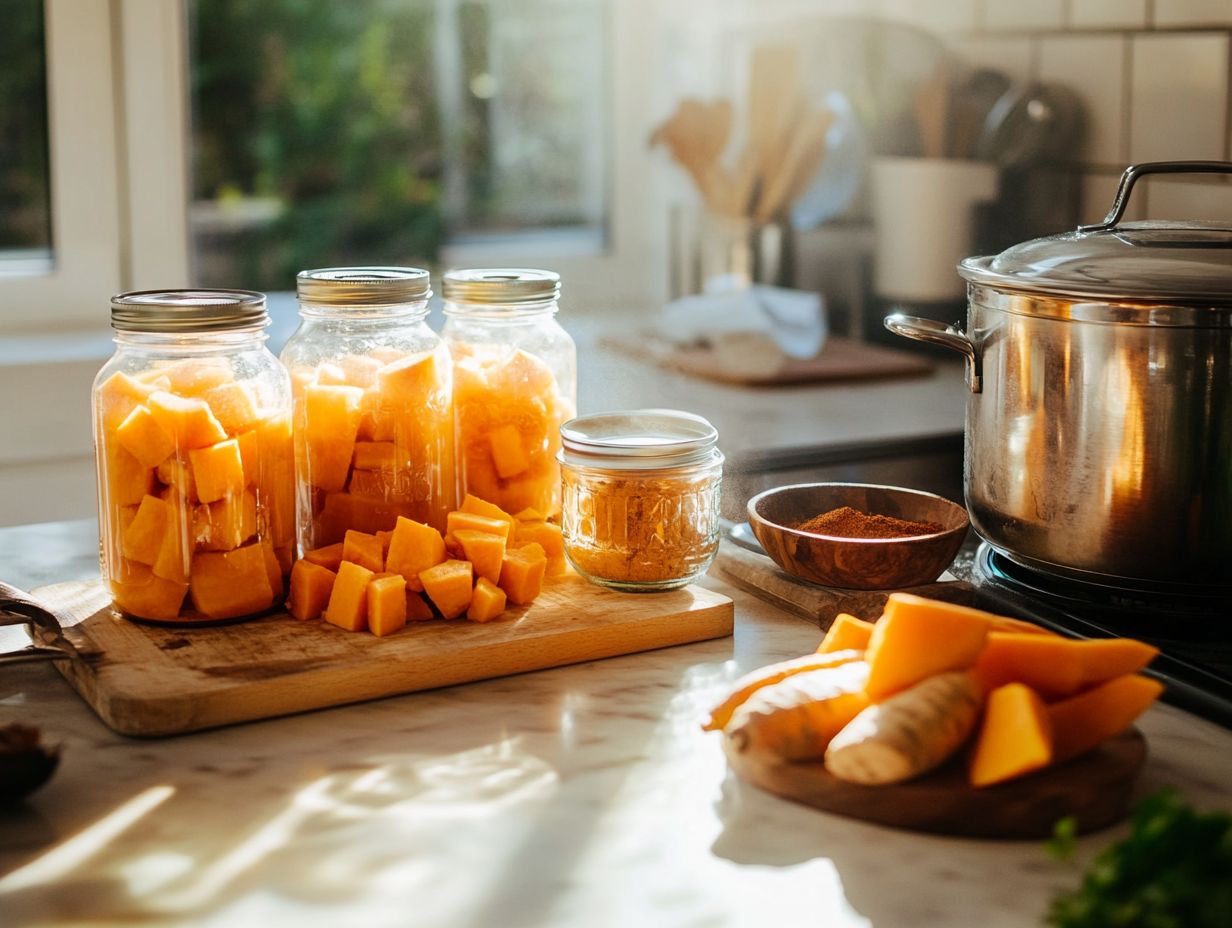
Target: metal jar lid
[(638, 439), (363, 286), (187, 311), (1185, 262), (500, 286)]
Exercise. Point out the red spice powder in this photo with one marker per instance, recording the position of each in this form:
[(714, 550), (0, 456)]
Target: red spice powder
[(846, 522)]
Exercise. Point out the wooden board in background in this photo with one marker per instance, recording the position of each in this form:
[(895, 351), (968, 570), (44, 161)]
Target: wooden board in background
[(840, 359), (146, 680), (1095, 789)]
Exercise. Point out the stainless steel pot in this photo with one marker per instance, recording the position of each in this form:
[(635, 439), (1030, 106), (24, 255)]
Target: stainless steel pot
[(1099, 427)]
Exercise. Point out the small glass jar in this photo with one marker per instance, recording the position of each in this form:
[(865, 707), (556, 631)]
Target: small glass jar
[(192, 441), (641, 498), (515, 384), (372, 386)]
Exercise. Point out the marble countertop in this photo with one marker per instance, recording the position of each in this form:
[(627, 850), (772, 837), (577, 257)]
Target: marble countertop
[(585, 795)]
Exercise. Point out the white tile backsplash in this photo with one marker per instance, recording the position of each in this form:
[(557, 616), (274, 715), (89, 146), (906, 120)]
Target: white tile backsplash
[(1193, 13), (1093, 67), (1178, 96), (1009, 54), (1107, 14), (1024, 14), (948, 16)]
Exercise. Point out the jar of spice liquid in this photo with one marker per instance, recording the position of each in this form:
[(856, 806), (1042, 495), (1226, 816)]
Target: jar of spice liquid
[(641, 497), (373, 404), (192, 440), (515, 383)]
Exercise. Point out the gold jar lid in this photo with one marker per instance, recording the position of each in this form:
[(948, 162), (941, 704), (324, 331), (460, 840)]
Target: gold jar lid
[(500, 286), (187, 311), (638, 439), (363, 286)]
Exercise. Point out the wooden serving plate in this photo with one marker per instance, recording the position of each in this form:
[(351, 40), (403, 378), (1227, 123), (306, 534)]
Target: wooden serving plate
[(1094, 788)]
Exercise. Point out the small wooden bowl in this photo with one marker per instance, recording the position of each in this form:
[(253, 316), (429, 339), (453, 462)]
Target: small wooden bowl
[(857, 563)]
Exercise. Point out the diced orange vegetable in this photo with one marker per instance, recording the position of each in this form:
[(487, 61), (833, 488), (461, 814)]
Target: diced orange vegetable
[(137, 591), (481, 507), (175, 552), (331, 420), (119, 394), (751, 682), (143, 538), (273, 569), (178, 475), (468, 521), (487, 601), (484, 551), (276, 476), (348, 601), (529, 515), (250, 455), (417, 609), (384, 537), (846, 632), (508, 453), (413, 548), (1056, 667), (360, 369), (128, 480), (329, 557), (233, 406), (386, 604), (192, 376), (1003, 623), (227, 584), (448, 585), (188, 420), (142, 437), (229, 522), (521, 575), (218, 470), (330, 375), (375, 455), (311, 585), (1015, 736), (917, 637), (363, 549), (547, 536), (1082, 722)]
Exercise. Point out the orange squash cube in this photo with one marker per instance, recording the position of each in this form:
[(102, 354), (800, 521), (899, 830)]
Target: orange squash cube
[(413, 548), (143, 537), (846, 633), (119, 394), (548, 536), (188, 420), (484, 551), (916, 638), (329, 556), (1057, 667), (250, 455), (175, 552), (448, 585), (375, 455), (361, 369), (227, 584), (529, 515), (192, 376), (417, 608), (311, 585), (386, 604), (468, 521), (128, 480), (522, 571), (383, 537), (142, 437), (273, 569), (410, 379), (363, 549), (218, 470), (1082, 722), (178, 475), (481, 507), (348, 601), (137, 591), (331, 419), (508, 453), (233, 406), (228, 523), (487, 601)]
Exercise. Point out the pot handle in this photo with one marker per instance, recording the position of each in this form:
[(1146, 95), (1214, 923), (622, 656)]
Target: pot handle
[(1135, 171), (938, 333)]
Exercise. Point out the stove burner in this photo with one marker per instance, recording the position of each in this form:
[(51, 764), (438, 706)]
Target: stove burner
[(1192, 631)]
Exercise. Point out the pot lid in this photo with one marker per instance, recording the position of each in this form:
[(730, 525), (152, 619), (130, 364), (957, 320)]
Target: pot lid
[(1155, 261)]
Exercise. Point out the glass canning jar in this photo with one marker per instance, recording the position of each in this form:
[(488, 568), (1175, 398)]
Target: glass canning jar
[(373, 419), (192, 441), (641, 497), (515, 383)]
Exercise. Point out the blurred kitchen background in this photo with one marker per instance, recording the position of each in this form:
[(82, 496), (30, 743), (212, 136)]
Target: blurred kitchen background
[(844, 150)]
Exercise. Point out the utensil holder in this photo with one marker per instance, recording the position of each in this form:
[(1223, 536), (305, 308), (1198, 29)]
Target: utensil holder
[(713, 253)]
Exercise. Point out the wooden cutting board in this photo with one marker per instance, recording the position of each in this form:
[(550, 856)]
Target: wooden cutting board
[(146, 680), (1095, 789)]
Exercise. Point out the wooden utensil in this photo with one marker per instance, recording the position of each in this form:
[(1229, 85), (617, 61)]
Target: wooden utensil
[(773, 101), (790, 177), (696, 135), (931, 108)]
